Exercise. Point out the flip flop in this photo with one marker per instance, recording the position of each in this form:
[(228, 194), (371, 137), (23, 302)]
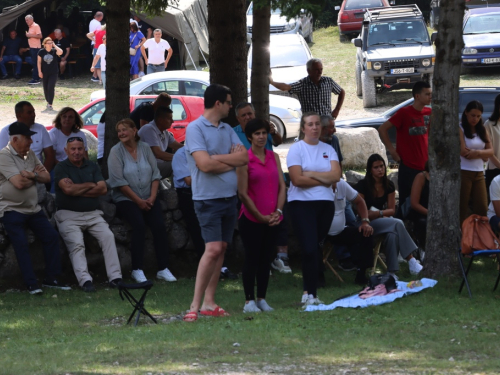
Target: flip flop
[(218, 311), (190, 317)]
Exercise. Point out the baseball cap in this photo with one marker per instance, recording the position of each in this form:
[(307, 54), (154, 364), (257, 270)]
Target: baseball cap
[(20, 128)]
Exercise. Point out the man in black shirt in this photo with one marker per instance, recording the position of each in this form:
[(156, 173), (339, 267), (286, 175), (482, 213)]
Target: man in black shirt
[(145, 112), (63, 44)]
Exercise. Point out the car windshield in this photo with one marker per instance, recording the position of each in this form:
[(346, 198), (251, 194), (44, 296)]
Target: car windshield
[(285, 56), (250, 10), (400, 32), (483, 24), (362, 4)]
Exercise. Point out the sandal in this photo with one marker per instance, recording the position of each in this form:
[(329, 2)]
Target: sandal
[(190, 317), (218, 311)]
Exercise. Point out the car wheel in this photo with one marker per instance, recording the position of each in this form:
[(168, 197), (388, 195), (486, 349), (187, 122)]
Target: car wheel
[(368, 90), (342, 38), (279, 126), (358, 79)]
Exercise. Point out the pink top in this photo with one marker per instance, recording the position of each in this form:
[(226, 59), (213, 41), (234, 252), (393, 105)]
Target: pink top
[(263, 184)]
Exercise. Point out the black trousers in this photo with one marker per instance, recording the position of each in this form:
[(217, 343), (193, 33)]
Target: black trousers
[(49, 86), (360, 247), (185, 198), (311, 221), (406, 175)]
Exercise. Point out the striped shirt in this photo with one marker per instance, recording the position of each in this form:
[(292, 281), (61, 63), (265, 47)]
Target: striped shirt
[(316, 98)]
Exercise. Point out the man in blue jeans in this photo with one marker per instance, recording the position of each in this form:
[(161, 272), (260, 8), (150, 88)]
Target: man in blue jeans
[(34, 35), (20, 170), (10, 52)]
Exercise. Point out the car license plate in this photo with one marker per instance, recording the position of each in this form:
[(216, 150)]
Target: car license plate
[(402, 70), (359, 15), (491, 61)]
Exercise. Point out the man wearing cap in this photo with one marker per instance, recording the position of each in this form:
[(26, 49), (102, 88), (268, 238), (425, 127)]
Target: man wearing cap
[(20, 170), (79, 183)]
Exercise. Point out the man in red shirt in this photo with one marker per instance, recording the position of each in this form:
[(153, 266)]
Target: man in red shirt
[(412, 129)]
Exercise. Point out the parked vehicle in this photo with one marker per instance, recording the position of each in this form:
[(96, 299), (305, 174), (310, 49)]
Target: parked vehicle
[(302, 24), (289, 55), (470, 4), (284, 112), (351, 15), (481, 33), (486, 95), (393, 52)]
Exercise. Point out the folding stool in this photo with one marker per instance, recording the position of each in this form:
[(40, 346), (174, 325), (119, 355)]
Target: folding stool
[(137, 304)]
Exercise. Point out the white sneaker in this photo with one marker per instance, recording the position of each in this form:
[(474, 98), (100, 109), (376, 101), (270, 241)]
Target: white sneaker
[(311, 300), (262, 304), (304, 298), (165, 275), (281, 264), (251, 307), (138, 276), (414, 266), (141, 74)]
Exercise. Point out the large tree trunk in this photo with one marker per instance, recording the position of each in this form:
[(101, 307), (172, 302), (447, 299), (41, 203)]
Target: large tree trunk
[(117, 71), (260, 60), (228, 52), (443, 226)]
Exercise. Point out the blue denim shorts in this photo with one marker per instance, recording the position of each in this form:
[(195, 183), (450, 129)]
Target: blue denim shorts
[(217, 218)]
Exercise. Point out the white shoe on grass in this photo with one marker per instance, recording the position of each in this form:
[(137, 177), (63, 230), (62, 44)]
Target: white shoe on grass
[(281, 264), (251, 307), (165, 275), (414, 266), (138, 275), (262, 304)]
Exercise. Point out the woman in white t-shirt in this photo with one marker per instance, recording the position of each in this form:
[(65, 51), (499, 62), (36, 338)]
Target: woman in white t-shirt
[(492, 126), (475, 149), (313, 167), (66, 124)]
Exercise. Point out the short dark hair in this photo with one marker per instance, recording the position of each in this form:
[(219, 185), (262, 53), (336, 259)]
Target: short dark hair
[(19, 107), (419, 86), (214, 93), (243, 105), (161, 112), (134, 27), (254, 125), (78, 119)]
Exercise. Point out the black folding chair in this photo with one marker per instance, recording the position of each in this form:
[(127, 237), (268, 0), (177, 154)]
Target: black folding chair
[(465, 272), (137, 304)]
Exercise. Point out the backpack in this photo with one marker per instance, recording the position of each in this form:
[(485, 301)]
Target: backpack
[(477, 235)]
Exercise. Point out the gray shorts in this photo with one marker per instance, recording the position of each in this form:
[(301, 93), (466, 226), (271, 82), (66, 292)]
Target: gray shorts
[(217, 218)]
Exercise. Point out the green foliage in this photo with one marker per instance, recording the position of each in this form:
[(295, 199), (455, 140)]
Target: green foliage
[(328, 17), (151, 7)]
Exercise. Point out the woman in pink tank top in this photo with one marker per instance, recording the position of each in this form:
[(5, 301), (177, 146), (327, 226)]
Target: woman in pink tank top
[(262, 191)]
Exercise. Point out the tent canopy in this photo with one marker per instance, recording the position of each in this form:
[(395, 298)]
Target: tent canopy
[(10, 14)]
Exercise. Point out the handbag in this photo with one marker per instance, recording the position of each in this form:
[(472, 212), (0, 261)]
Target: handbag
[(132, 51)]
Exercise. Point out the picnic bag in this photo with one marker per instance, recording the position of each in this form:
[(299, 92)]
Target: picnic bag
[(477, 235)]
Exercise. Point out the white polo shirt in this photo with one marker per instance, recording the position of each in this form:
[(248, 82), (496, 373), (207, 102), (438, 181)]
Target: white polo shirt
[(94, 25), (156, 51), (40, 140)]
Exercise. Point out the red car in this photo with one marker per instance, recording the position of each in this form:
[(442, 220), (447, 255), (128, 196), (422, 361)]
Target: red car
[(352, 12), (185, 108)]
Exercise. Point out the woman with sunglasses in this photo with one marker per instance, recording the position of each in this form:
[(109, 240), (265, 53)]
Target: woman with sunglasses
[(48, 69)]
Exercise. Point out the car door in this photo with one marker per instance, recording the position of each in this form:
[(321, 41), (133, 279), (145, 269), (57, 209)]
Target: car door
[(92, 115), (194, 88)]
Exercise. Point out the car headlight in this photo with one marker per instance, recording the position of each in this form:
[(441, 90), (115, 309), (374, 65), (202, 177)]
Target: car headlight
[(377, 66), (290, 26), (469, 51), (426, 62), (294, 113)]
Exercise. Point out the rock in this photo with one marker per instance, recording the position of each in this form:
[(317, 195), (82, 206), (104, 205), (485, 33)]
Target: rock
[(50, 205), (178, 237), (107, 197), (91, 140), (108, 209), (168, 221), (121, 233), (4, 242), (177, 215), (358, 144), (42, 192), (170, 197), (353, 177)]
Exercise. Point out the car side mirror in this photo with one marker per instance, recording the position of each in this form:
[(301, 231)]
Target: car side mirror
[(337, 7), (434, 36), (357, 42)]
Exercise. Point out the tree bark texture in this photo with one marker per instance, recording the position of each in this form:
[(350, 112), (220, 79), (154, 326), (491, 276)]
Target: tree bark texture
[(228, 52), (261, 60), (443, 225), (117, 71)]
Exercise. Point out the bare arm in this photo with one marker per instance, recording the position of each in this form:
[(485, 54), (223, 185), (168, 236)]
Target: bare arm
[(175, 145), (97, 191), (188, 180), (340, 101), (242, 173), (496, 206), (277, 140), (236, 158), (20, 182), (163, 155), (94, 62), (39, 64), (65, 57), (59, 51), (326, 178), (384, 135), (361, 206), (143, 53), (299, 180), (416, 192), (208, 165), (91, 36), (75, 190), (169, 55), (1, 53), (279, 85)]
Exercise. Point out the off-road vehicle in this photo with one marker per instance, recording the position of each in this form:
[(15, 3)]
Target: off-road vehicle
[(393, 51)]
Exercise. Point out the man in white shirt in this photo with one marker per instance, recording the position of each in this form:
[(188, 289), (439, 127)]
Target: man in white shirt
[(42, 144), (157, 136), (156, 46), (95, 25)]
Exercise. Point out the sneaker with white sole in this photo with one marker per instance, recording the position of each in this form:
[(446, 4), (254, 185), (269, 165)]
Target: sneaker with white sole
[(311, 300), (34, 289), (414, 266), (251, 307), (262, 304), (138, 275), (141, 74), (304, 298), (165, 275), (281, 265)]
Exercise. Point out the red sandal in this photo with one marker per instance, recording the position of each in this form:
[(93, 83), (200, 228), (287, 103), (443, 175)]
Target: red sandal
[(190, 317), (218, 311)]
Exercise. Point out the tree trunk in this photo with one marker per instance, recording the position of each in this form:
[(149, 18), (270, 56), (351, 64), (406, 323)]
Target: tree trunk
[(443, 226), (117, 71), (261, 60), (228, 53)]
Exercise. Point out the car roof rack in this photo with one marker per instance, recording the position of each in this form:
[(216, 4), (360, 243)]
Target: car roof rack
[(398, 11)]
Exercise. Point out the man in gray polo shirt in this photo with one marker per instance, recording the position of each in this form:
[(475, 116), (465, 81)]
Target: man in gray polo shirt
[(214, 151)]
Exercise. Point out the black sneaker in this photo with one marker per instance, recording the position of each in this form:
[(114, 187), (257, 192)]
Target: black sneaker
[(61, 77), (347, 265), (17, 76), (34, 289), (94, 79), (114, 283), (4, 76), (55, 284), (361, 278), (88, 287), (226, 274)]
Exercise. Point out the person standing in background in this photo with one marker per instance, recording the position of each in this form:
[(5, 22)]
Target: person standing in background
[(34, 35)]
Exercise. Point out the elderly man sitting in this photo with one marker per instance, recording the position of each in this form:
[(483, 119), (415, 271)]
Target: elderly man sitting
[(20, 170), (79, 183)]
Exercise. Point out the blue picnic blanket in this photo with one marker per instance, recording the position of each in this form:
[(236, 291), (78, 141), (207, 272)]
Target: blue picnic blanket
[(355, 301)]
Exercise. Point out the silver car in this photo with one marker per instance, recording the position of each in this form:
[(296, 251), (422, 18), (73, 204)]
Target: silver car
[(284, 112)]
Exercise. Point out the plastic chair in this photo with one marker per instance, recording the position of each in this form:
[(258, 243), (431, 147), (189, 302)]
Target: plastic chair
[(138, 305), (465, 272)]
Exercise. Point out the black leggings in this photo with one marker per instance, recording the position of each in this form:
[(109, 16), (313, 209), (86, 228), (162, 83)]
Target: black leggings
[(311, 221), (259, 241), (49, 85), (138, 219)]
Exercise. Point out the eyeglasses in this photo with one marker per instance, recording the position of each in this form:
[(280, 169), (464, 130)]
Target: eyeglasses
[(72, 139)]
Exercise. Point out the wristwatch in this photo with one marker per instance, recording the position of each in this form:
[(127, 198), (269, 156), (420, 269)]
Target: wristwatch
[(35, 177), (365, 219), (381, 213)]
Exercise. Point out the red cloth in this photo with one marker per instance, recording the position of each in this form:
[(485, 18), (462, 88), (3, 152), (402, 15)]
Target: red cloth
[(98, 37), (412, 135)]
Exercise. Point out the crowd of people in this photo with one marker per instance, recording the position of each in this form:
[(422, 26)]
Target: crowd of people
[(226, 175)]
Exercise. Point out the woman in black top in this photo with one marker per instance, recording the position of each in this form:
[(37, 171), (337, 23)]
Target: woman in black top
[(380, 197), (419, 199), (48, 69)]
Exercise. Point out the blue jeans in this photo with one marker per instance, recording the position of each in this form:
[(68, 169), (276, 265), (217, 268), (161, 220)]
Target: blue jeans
[(156, 68), (14, 224), (8, 58), (34, 62)]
